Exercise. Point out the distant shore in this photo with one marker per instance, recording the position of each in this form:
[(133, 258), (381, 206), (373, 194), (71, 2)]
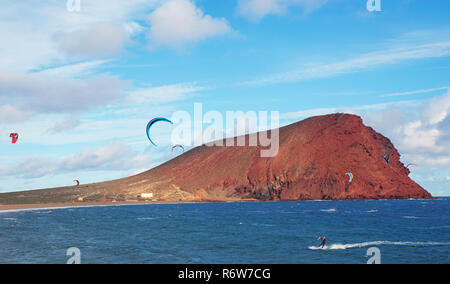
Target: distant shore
[(6, 207), (67, 205), (13, 207)]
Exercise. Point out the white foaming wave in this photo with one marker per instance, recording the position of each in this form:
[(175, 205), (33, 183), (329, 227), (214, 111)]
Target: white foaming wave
[(328, 210), (377, 243), (74, 207), (33, 209), (43, 212), (148, 218)]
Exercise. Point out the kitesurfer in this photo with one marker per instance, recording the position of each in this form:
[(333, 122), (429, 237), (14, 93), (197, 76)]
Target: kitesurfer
[(387, 158), (324, 242)]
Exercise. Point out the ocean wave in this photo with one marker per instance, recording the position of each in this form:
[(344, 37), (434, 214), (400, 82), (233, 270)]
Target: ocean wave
[(66, 207), (328, 210), (32, 209), (148, 218), (377, 243), (42, 212), (439, 227)]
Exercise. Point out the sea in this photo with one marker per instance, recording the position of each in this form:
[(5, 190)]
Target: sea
[(358, 232)]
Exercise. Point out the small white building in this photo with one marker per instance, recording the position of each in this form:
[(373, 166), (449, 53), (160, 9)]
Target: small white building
[(146, 195)]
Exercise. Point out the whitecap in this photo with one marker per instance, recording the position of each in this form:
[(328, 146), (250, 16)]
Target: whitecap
[(148, 218), (329, 210), (376, 243)]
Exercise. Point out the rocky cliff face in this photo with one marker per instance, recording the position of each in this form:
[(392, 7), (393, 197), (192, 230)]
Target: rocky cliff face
[(314, 157)]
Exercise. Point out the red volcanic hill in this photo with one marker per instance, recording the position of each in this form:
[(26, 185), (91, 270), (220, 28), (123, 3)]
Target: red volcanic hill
[(313, 159)]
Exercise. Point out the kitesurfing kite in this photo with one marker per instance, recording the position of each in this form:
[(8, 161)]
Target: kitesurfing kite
[(409, 165), (77, 181), (350, 175), (14, 137), (178, 146), (153, 121)]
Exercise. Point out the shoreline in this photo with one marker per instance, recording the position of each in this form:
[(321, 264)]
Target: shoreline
[(29, 207), (5, 208)]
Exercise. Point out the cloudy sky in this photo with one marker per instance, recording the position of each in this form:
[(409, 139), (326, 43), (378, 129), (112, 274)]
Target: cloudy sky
[(80, 85)]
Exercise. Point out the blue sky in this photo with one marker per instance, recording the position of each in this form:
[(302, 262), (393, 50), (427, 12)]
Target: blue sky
[(80, 86)]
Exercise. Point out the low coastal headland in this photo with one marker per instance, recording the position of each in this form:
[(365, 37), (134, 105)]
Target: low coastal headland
[(331, 157)]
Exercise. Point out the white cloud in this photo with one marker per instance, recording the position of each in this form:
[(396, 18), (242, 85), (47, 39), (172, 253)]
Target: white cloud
[(9, 113), (68, 124), (102, 28), (256, 10), (437, 109), (26, 47), (133, 28), (416, 92), (179, 22), (28, 86), (418, 136), (360, 63), (33, 92), (421, 133), (29, 168), (98, 40), (81, 69), (92, 129), (24, 50), (47, 34), (163, 94), (113, 157)]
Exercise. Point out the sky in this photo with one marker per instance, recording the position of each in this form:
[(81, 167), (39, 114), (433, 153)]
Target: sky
[(79, 80)]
